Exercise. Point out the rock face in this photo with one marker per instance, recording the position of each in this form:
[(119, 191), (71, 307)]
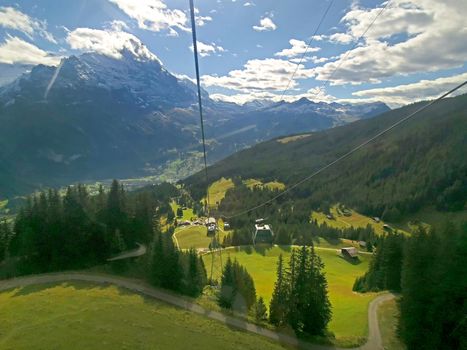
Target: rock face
[(96, 116)]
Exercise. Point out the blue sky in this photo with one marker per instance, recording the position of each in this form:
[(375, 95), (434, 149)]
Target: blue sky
[(416, 49)]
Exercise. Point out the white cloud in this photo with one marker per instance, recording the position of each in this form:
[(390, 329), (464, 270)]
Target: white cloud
[(266, 24), (201, 20), (207, 49), (314, 94), (410, 36), (13, 19), (118, 25), (298, 48), (108, 42), (15, 50), (249, 4), (408, 93), (153, 15), (341, 38), (241, 99), (260, 75)]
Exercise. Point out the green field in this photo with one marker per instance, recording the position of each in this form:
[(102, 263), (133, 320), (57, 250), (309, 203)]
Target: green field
[(187, 213), (218, 189), (194, 237), (388, 315), (354, 220), (350, 321), (272, 185), (292, 138), (86, 316)]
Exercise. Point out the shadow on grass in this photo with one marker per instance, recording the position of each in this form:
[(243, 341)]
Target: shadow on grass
[(77, 285), (353, 261)]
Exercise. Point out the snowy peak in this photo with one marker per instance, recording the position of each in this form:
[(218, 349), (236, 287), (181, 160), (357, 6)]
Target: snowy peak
[(137, 77)]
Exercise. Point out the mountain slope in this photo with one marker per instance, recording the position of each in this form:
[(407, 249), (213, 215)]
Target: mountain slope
[(97, 117), (420, 163)]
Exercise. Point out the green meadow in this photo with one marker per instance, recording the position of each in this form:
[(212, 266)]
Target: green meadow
[(349, 321), (87, 316)]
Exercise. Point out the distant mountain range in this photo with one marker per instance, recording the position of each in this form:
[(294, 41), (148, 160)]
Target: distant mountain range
[(97, 117)]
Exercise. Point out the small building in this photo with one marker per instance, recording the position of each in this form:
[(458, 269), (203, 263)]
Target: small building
[(362, 244), (349, 252), (263, 234), (259, 221), (387, 227), (330, 217), (226, 226), (211, 221), (376, 219)]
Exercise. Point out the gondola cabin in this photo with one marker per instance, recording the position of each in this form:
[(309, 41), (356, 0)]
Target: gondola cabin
[(263, 234)]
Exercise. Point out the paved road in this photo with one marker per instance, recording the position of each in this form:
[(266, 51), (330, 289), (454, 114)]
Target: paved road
[(374, 342)]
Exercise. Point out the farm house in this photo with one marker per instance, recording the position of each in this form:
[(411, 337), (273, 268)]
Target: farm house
[(349, 252)]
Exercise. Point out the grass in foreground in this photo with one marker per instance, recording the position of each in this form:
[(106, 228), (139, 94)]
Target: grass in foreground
[(86, 316), (350, 321), (388, 316)]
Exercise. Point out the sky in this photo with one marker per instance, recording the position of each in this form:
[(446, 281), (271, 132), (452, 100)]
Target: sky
[(415, 49)]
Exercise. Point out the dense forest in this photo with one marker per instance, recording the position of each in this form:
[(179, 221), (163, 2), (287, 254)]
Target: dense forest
[(76, 230), (420, 163), (429, 269), (289, 217)]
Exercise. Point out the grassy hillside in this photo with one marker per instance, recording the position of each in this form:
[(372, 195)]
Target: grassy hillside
[(348, 308), (420, 163), (86, 316)]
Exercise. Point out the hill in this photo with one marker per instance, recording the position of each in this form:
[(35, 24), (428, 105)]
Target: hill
[(420, 163)]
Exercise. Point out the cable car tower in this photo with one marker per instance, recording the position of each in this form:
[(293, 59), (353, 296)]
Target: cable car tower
[(215, 246)]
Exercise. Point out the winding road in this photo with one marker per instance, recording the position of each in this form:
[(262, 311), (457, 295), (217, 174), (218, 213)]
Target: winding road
[(374, 339)]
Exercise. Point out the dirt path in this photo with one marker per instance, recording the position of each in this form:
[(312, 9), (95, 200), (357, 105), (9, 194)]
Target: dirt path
[(374, 339), (141, 250)]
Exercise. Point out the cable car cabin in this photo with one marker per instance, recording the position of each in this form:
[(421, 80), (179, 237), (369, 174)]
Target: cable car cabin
[(212, 228), (263, 234)]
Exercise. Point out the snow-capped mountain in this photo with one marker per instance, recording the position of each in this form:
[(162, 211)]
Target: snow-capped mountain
[(100, 116)]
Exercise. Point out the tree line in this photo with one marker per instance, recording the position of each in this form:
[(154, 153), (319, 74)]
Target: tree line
[(430, 271), (290, 219)]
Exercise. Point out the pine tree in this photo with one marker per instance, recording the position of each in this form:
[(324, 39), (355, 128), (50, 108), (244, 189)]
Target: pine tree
[(278, 305), (226, 295), (260, 310), (196, 275)]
